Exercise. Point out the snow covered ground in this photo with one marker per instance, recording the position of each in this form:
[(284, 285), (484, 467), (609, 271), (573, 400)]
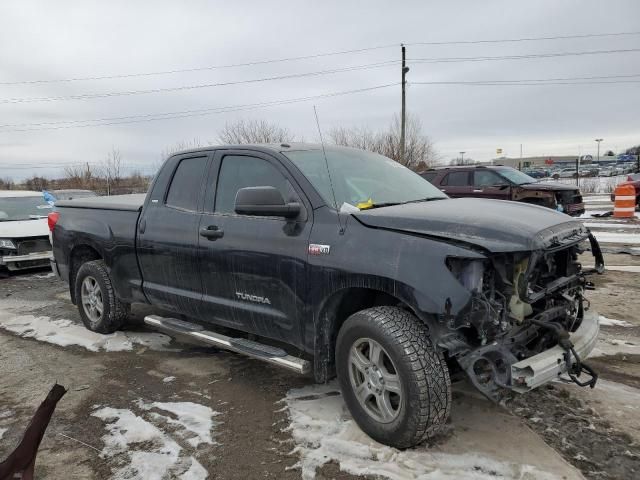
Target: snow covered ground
[(64, 332), (147, 445), (324, 431)]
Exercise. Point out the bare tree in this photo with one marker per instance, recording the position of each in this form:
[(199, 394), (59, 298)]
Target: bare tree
[(79, 176), (419, 150), (177, 147), (111, 168), (6, 183), (253, 131)]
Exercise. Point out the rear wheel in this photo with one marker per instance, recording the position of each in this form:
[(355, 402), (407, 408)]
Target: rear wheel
[(394, 382), (99, 308)]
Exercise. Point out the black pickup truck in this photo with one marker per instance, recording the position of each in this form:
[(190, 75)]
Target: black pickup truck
[(340, 262)]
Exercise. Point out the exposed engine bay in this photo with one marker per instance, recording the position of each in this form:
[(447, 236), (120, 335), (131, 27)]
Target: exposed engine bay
[(522, 304)]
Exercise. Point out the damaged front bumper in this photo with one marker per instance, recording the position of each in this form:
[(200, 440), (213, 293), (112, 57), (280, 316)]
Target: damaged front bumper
[(539, 369), (33, 259)]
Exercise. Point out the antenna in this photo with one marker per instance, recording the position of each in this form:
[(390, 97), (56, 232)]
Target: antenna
[(326, 162)]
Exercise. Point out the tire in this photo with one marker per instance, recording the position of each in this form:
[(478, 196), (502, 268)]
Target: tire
[(415, 401), (94, 277)]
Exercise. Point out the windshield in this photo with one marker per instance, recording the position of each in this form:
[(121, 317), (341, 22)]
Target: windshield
[(516, 176), (362, 179), (23, 208)]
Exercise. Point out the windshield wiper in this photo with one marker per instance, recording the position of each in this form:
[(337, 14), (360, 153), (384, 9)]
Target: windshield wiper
[(391, 204), (426, 199), (383, 204)]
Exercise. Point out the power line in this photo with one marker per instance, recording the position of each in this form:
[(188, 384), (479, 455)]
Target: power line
[(512, 84), (88, 96), (527, 39), (520, 57), (312, 56), (189, 113), (199, 69), (308, 74), (539, 81)]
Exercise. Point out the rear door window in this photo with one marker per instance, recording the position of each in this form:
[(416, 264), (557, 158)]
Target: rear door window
[(185, 187), (456, 179)]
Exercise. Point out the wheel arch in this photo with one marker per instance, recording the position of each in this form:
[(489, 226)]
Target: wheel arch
[(79, 255), (335, 310)]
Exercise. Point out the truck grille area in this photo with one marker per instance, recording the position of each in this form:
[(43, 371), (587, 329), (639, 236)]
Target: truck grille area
[(32, 245)]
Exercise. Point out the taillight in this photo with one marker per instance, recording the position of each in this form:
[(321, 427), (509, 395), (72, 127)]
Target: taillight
[(52, 219)]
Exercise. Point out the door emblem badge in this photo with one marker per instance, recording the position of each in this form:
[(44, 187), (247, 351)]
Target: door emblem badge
[(317, 249), (253, 298)]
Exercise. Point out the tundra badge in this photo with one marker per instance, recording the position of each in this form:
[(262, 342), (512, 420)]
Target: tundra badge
[(253, 298)]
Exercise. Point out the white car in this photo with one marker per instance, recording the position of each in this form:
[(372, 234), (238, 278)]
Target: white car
[(24, 231)]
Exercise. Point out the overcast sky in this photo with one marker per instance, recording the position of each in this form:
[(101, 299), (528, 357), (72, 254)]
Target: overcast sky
[(65, 39)]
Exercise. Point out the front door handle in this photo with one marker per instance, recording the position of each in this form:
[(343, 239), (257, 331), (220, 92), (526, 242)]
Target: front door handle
[(212, 232)]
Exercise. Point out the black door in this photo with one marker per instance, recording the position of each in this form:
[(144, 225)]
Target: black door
[(253, 268), (168, 236)]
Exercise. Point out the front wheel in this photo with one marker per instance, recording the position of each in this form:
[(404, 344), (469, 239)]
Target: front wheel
[(99, 308), (394, 381)]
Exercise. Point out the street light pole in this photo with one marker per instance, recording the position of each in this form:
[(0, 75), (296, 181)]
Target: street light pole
[(462, 157), (598, 140)]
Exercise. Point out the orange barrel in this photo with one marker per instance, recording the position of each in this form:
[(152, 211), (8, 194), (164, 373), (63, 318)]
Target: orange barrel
[(625, 204)]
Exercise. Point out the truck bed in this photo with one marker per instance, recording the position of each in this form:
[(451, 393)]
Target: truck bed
[(131, 202)]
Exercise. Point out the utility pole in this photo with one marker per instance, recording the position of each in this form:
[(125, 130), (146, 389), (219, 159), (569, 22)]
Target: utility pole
[(403, 114), (462, 158)]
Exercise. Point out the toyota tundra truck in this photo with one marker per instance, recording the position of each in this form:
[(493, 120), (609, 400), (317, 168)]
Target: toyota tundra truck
[(340, 262)]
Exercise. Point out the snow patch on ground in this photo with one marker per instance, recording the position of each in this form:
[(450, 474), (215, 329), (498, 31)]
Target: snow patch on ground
[(613, 237), (168, 379), (65, 333), (613, 346), (2, 432), (623, 268), (140, 446), (610, 322), (613, 225), (324, 431), (194, 419)]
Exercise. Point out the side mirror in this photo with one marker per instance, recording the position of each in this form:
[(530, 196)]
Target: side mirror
[(265, 202)]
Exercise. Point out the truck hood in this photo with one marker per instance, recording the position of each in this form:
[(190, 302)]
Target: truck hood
[(24, 228), (493, 225), (547, 186)]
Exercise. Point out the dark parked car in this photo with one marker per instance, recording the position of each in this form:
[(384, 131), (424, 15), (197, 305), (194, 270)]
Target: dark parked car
[(505, 183), (389, 296)]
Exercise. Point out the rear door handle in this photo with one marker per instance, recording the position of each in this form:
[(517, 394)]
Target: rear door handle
[(212, 232)]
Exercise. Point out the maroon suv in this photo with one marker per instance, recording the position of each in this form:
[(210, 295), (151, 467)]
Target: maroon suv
[(505, 183)]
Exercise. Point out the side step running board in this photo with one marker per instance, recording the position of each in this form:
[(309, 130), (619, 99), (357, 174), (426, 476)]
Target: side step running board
[(260, 351)]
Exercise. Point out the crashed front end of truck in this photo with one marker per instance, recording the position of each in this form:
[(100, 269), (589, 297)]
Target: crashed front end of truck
[(527, 321)]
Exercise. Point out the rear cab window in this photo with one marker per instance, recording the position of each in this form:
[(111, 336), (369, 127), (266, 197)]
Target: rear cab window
[(184, 190)]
